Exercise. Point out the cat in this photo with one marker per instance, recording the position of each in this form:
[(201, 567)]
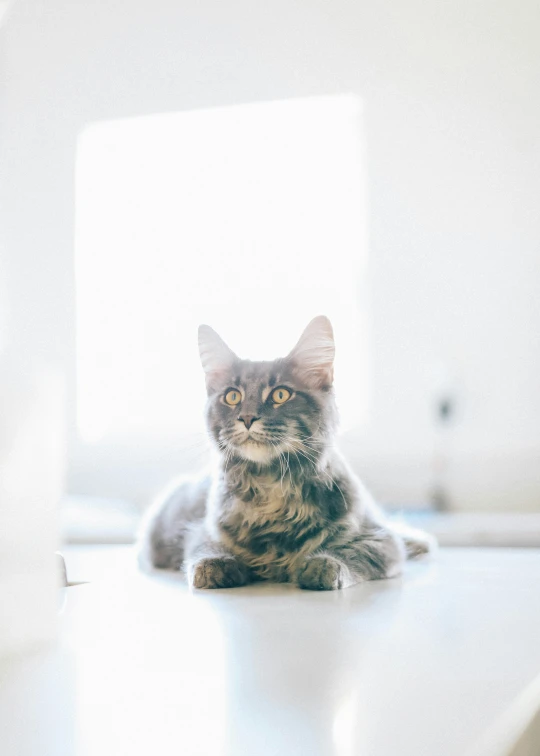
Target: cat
[(282, 504)]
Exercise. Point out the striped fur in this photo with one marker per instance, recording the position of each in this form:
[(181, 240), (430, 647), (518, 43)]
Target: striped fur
[(281, 503)]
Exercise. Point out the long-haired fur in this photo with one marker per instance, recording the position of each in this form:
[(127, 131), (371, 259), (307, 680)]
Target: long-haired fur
[(281, 503)]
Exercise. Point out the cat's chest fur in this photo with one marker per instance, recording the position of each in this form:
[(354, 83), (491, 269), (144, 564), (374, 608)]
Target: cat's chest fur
[(269, 522)]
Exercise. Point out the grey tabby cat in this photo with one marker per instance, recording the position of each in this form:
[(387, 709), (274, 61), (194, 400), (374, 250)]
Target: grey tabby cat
[(282, 504)]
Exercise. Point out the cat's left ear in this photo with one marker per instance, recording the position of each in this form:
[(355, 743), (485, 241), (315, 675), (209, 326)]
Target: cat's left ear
[(216, 357), (313, 355)]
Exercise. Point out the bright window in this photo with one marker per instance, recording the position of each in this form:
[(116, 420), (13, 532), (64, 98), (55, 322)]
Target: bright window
[(250, 218)]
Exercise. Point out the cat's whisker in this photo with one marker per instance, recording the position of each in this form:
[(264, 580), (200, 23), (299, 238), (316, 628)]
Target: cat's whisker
[(296, 452), (302, 454), (310, 446), (280, 464), (333, 482), (289, 469), (303, 450), (229, 454)]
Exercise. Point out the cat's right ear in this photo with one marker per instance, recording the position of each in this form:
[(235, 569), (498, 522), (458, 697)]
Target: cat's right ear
[(216, 357), (313, 355)]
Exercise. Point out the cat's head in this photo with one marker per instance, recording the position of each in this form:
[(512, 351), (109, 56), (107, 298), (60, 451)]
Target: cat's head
[(259, 410)]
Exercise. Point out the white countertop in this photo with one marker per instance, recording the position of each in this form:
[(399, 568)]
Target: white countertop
[(440, 662), (91, 520)]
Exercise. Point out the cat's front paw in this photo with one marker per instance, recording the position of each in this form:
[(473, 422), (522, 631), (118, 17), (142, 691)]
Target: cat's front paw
[(323, 573), (218, 572)]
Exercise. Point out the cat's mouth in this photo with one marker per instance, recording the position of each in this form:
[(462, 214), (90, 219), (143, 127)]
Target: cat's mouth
[(254, 444), (257, 450), (256, 447), (254, 438)]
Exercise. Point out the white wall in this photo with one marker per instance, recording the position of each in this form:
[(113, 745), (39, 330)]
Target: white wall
[(31, 432), (452, 109)]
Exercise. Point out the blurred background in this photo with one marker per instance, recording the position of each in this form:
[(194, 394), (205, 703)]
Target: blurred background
[(251, 165)]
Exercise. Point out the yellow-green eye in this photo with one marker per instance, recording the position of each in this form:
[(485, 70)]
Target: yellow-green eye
[(280, 395), (232, 397)]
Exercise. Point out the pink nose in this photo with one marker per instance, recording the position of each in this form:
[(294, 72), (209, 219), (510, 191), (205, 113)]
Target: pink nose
[(248, 420)]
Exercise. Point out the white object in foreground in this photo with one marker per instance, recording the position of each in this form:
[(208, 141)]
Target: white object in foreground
[(440, 662)]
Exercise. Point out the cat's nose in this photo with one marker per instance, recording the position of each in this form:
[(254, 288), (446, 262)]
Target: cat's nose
[(248, 420)]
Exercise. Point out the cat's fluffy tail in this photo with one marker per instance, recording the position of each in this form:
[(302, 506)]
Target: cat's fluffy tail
[(417, 542)]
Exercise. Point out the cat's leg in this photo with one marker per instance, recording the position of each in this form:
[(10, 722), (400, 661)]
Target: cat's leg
[(168, 522), (210, 565), (371, 555), (160, 545), (417, 542)]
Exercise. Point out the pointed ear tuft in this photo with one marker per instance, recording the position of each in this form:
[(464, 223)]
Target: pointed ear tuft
[(313, 355), (216, 357)]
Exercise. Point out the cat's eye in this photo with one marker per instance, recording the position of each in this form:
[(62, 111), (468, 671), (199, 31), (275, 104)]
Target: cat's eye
[(232, 397), (280, 395)]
